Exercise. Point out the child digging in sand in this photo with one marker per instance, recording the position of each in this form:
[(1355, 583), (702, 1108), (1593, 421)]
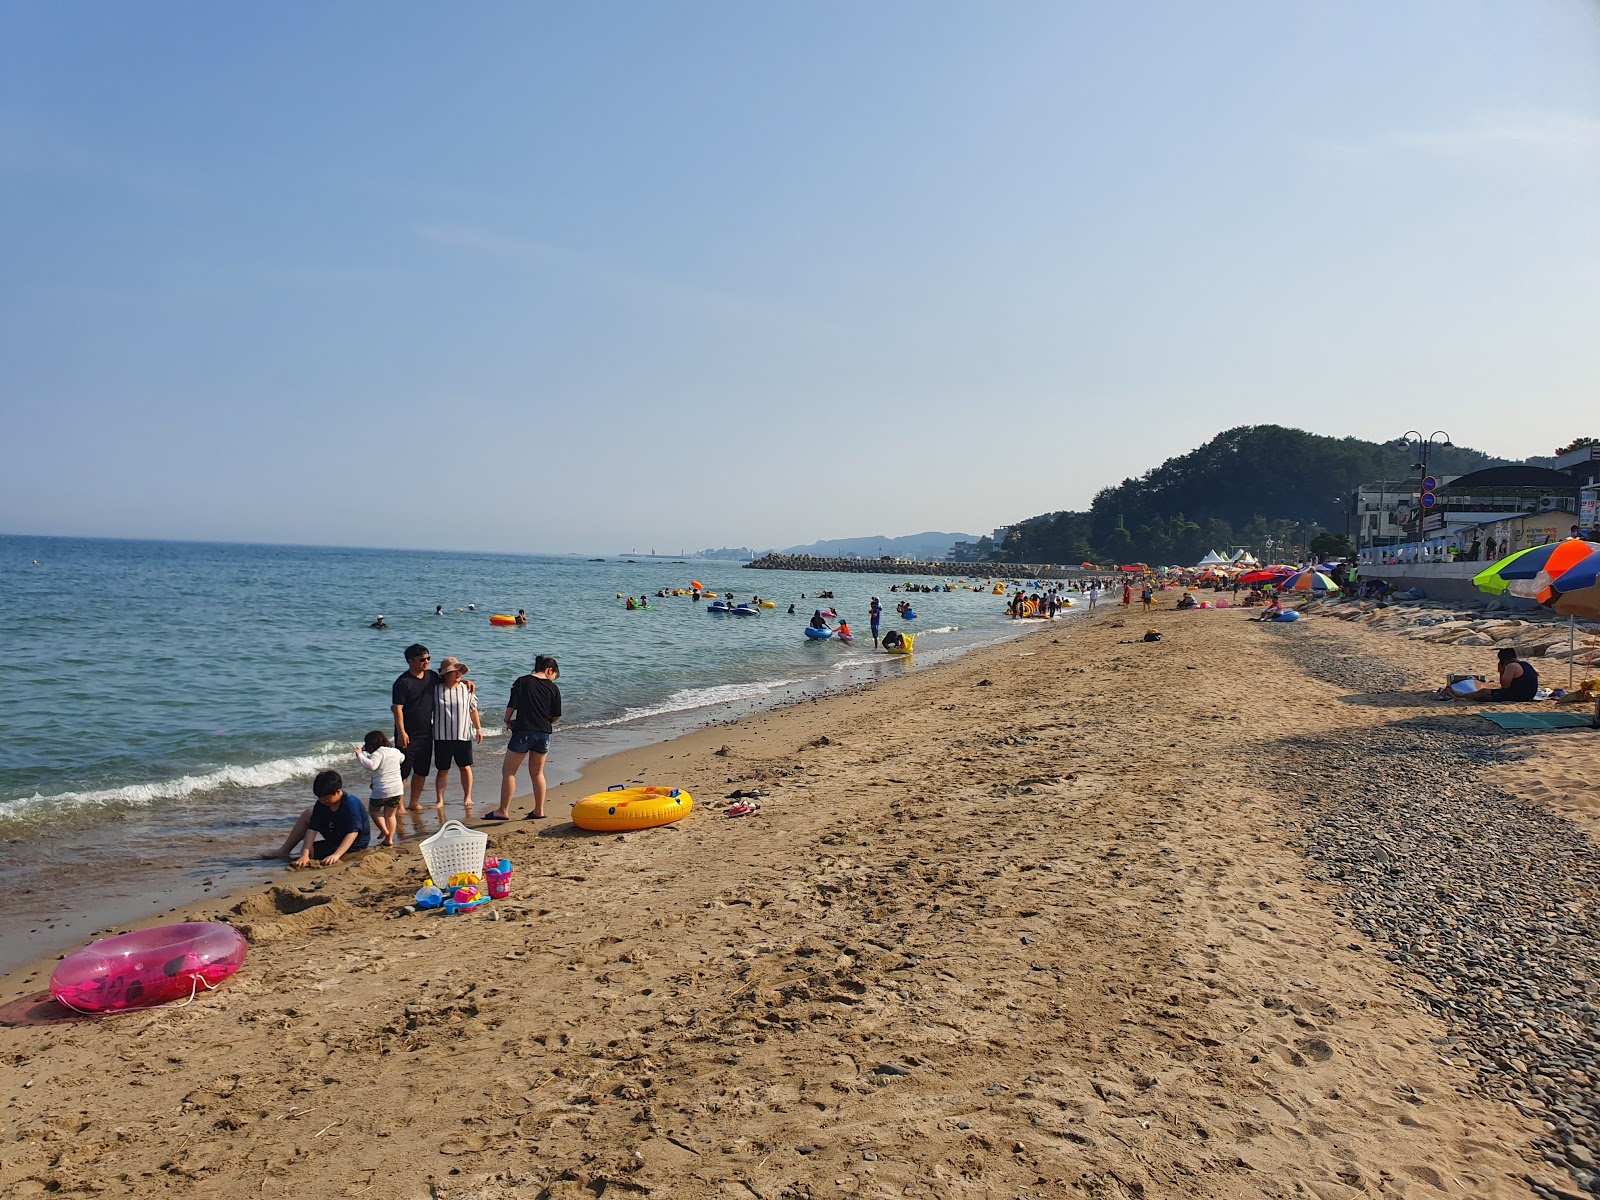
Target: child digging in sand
[(383, 760), (335, 825)]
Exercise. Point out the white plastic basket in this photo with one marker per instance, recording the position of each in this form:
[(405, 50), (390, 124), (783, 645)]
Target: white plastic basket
[(454, 850)]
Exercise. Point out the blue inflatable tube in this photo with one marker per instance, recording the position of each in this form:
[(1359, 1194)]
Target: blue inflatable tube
[(819, 634), (717, 606), (744, 610), (908, 615)]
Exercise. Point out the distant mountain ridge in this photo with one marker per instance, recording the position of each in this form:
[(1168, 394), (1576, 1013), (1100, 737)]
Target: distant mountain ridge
[(924, 547)]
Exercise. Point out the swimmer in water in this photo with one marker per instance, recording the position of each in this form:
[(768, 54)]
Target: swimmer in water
[(438, 610), (380, 623)]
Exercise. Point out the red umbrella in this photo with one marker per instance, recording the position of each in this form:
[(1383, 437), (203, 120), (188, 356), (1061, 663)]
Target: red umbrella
[(1265, 576)]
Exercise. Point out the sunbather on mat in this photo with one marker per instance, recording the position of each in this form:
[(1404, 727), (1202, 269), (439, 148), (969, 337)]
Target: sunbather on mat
[(1518, 681)]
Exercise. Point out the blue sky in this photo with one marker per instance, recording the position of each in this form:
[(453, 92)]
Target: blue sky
[(589, 277)]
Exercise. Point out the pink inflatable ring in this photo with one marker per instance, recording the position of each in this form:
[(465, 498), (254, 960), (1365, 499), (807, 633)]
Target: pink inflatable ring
[(148, 967)]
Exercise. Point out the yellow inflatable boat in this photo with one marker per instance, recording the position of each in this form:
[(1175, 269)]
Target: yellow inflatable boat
[(622, 809), (906, 640)]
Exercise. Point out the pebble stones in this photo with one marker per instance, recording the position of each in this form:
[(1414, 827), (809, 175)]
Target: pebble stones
[(1491, 901)]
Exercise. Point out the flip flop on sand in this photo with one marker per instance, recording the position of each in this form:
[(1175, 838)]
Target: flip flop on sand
[(741, 809), (495, 817), (534, 816)]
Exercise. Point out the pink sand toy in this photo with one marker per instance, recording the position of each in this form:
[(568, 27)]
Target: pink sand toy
[(498, 877), (148, 967)]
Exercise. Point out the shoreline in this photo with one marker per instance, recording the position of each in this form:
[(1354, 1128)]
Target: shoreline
[(1018, 922), (59, 921)]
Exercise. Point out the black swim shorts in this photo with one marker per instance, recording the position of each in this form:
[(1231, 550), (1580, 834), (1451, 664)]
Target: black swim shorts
[(419, 758), (447, 752)]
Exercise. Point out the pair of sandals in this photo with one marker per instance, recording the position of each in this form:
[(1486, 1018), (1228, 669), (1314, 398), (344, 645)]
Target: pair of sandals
[(742, 809)]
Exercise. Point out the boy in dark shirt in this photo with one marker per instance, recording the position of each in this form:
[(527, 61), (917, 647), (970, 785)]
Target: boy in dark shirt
[(336, 825), (531, 714)]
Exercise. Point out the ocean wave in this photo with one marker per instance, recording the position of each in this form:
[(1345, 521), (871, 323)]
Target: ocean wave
[(692, 698), (937, 629), (142, 795), (223, 779)]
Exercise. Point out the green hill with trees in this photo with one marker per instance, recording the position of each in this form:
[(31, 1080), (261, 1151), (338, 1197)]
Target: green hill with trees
[(1266, 487)]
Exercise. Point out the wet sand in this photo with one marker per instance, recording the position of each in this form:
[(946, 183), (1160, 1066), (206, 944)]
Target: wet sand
[(1027, 923)]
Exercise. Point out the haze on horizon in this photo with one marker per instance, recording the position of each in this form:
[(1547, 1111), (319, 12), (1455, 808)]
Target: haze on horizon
[(536, 277)]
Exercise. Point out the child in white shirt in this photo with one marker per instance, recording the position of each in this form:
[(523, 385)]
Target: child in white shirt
[(383, 760)]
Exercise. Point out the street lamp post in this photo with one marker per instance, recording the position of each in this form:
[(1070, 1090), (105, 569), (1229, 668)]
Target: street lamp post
[(1425, 452)]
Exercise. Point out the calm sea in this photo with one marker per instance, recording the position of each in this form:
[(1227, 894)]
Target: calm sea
[(164, 696)]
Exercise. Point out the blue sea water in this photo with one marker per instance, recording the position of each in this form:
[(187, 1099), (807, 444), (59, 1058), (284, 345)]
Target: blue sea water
[(144, 673), (167, 703)]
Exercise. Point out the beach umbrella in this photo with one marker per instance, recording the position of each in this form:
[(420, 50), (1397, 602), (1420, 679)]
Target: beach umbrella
[(1576, 591), (695, 583), (1528, 572), (1271, 575), (1308, 581)]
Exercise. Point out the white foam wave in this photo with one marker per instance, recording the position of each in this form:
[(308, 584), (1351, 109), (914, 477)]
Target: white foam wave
[(937, 629), (142, 795), (228, 778), (692, 698)]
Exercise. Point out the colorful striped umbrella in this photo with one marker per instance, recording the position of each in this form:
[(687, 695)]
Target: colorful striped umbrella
[(1528, 572), (1308, 581), (1576, 592)]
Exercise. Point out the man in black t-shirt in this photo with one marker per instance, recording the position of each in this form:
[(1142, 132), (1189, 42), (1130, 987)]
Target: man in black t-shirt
[(411, 702), (531, 714)]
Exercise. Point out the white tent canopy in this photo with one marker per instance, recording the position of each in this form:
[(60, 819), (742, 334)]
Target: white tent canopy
[(1212, 559), (1243, 558)]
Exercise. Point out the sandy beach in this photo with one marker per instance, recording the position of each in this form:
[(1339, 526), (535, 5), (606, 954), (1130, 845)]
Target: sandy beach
[(1077, 915)]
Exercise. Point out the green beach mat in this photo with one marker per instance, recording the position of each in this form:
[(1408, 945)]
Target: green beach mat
[(1545, 720)]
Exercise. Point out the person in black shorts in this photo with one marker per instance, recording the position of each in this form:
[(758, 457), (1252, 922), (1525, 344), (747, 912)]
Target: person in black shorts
[(531, 715), (456, 726), (411, 702)]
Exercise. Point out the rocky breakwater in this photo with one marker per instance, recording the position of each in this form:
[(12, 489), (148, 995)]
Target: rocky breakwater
[(1489, 901), (874, 566)]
